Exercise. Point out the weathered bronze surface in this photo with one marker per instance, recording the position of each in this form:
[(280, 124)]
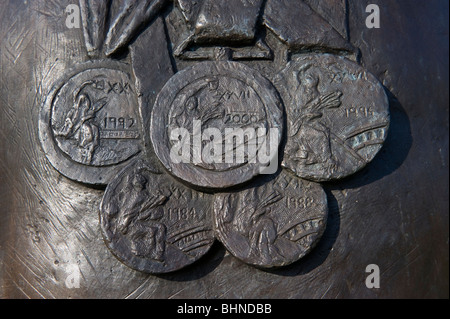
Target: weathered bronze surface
[(85, 115)]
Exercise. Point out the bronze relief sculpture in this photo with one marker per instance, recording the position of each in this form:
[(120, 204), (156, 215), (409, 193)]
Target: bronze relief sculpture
[(214, 149), (216, 124)]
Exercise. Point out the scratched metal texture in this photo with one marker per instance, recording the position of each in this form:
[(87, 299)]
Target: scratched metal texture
[(394, 213)]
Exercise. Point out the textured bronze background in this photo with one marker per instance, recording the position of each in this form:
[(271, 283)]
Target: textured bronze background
[(392, 213)]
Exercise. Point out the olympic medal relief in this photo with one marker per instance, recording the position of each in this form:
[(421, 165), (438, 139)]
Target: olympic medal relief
[(212, 124), (90, 124), (337, 115), (154, 224), (209, 122)]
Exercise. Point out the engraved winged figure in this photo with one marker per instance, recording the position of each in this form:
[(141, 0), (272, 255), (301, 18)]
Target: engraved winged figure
[(313, 136), (255, 223), (79, 123), (141, 212), (202, 104)]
